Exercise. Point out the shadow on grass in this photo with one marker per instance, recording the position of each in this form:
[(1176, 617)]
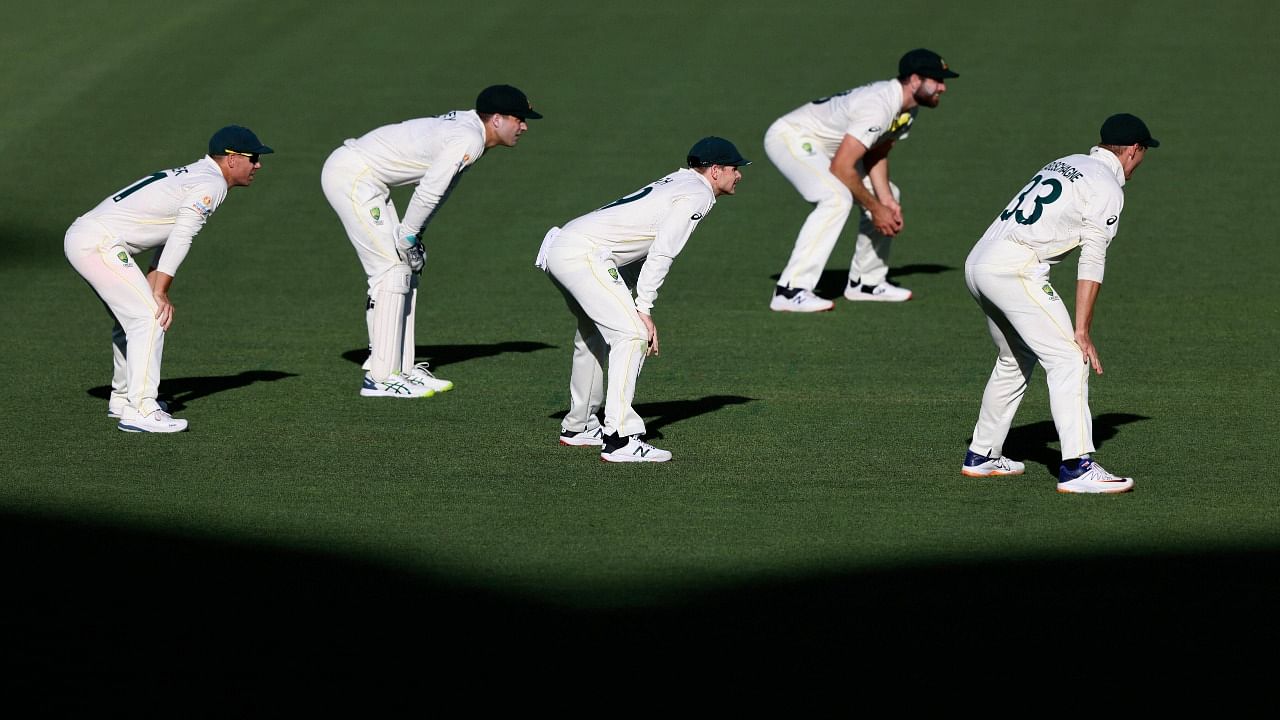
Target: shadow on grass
[(1035, 443), (98, 614), (658, 415), (441, 355), (177, 392), (832, 283)]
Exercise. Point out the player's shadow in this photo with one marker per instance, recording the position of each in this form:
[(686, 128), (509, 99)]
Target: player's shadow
[(1035, 443), (177, 392), (833, 282), (441, 355), (658, 415)]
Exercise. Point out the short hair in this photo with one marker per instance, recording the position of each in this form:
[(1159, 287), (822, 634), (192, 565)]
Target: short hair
[(484, 116), (1117, 149)]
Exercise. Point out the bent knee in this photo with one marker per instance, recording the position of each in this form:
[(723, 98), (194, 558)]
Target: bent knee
[(837, 201), (394, 279)]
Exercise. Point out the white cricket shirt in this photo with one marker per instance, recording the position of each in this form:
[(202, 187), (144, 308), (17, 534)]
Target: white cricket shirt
[(166, 208), (651, 224), (1074, 201), (431, 152), (872, 114)]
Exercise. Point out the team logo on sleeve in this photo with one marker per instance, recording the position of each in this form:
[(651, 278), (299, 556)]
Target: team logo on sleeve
[(808, 148), (613, 273), (1048, 290), (204, 206), (123, 257), (376, 214)]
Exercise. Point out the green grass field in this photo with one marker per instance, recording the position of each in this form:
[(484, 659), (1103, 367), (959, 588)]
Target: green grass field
[(815, 490)]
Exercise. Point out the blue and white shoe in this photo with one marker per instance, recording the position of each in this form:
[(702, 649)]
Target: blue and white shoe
[(1090, 477), (976, 465), (396, 386)]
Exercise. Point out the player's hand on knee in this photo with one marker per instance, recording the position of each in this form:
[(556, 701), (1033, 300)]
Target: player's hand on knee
[(164, 311), (1090, 352), (652, 330), (411, 251), (415, 257)]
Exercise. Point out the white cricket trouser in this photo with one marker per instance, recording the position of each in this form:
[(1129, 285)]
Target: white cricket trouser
[(369, 216), (1028, 323), (801, 160), (608, 322), (137, 339)]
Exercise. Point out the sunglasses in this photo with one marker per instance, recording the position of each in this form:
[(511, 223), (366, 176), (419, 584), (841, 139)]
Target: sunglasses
[(253, 157)]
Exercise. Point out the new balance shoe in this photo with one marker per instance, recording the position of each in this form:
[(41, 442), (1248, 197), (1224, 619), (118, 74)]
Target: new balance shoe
[(397, 386), (114, 409), (158, 421), (976, 465), (631, 449), (420, 375), (592, 436), (884, 292), (1090, 477), (798, 300)]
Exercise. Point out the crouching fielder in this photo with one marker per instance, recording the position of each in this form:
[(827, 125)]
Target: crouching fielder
[(1074, 201), (357, 179), (585, 261), (162, 211)]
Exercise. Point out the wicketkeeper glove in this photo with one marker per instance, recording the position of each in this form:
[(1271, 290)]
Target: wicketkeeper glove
[(411, 251)]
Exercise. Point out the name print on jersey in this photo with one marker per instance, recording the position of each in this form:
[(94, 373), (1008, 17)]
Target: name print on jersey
[(1063, 169)]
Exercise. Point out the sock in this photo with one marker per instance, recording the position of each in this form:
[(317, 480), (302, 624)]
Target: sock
[(1072, 466)]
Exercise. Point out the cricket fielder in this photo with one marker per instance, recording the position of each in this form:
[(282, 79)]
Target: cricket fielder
[(835, 151), (586, 261), (432, 152), (1074, 201), (163, 212)]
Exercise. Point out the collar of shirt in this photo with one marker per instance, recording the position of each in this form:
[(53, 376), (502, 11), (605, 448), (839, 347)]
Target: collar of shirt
[(704, 180), (1108, 158)]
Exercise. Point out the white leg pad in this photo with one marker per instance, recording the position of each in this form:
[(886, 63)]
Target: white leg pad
[(410, 316), (386, 338)]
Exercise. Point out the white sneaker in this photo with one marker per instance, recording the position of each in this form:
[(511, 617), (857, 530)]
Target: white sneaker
[(802, 301), (1091, 478), (884, 292), (636, 450), (397, 386), (590, 436), (158, 421), (420, 375), (976, 465), (114, 409)]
